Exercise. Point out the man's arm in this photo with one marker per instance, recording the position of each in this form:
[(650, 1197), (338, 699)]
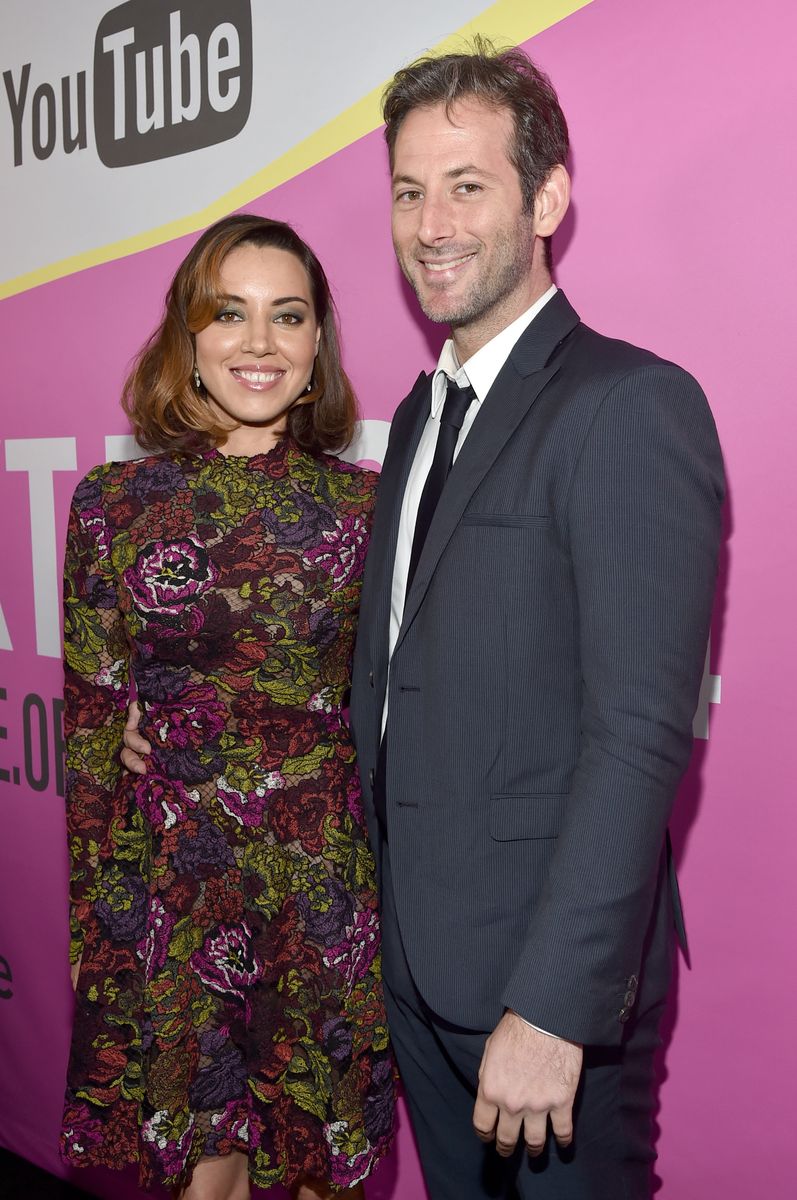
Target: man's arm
[(645, 530), (644, 523)]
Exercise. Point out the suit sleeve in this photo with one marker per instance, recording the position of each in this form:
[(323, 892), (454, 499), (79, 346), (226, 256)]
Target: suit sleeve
[(644, 525), (96, 692)]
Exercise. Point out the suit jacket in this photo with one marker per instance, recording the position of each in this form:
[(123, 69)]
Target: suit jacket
[(545, 677)]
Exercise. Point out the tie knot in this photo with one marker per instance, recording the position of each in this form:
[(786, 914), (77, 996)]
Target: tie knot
[(457, 402)]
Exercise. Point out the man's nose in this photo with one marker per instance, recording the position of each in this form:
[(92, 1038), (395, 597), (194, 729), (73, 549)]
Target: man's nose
[(437, 220)]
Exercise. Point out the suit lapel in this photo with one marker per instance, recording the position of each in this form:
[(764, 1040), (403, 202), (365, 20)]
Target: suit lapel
[(530, 367), (405, 434)]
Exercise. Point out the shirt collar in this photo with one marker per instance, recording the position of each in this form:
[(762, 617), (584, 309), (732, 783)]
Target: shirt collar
[(482, 368)]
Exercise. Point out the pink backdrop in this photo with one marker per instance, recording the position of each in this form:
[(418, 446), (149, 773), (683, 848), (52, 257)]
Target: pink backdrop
[(680, 240)]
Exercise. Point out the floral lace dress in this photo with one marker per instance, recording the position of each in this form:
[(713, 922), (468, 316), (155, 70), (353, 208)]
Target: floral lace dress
[(229, 995)]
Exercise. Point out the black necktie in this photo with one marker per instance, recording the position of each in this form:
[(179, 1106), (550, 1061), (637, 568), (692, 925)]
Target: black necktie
[(457, 403)]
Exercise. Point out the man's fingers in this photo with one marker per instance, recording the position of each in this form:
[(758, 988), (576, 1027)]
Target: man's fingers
[(135, 742), (562, 1125), (133, 716), (484, 1117), (133, 762), (507, 1132), (535, 1133), (136, 747)]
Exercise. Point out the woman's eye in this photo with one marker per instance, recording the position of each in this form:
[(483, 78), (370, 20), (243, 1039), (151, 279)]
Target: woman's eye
[(227, 316), (288, 319)]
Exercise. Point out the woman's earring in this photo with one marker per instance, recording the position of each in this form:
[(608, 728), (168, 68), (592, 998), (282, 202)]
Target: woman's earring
[(306, 395), (197, 380)]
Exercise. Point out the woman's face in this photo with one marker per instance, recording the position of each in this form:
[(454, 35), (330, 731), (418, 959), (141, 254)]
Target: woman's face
[(256, 357)]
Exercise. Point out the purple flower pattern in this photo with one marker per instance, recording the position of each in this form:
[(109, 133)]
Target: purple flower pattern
[(227, 962), (342, 550), (169, 575)]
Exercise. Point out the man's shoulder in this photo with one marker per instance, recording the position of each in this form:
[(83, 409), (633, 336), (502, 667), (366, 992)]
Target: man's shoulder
[(597, 354), (586, 359), (595, 368)]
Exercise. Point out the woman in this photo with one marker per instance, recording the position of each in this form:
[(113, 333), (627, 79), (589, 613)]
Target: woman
[(229, 1023)]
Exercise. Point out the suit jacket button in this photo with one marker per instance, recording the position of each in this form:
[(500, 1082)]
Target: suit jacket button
[(632, 983), (371, 678), (624, 1015), (629, 999), (371, 778)]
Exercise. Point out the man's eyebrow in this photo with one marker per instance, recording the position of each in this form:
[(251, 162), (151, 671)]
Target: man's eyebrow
[(453, 173), (469, 169)]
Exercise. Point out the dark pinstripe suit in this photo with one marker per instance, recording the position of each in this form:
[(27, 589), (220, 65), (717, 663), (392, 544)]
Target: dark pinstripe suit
[(544, 681)]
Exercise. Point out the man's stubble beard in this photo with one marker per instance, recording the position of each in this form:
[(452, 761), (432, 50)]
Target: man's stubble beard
[(496, 285)]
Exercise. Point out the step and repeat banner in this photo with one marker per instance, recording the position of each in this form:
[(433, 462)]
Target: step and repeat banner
[(124, 130)]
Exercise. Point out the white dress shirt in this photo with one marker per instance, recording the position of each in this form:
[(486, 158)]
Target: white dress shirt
[(481, 372)]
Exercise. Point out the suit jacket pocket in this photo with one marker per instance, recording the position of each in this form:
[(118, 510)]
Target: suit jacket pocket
[(514, 818), (510, 520)]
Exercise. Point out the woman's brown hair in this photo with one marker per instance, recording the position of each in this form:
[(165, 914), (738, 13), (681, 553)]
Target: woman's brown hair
[(168, 412)]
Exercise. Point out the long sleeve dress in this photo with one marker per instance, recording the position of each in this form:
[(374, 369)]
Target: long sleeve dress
[(224, 904)]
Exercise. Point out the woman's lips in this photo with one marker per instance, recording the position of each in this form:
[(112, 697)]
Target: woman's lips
[(257, 381)]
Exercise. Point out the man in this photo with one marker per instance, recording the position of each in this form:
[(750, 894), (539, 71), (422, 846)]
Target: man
[(532, 634)]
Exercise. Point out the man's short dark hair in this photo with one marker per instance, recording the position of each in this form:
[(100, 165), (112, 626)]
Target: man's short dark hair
[(501, 79)]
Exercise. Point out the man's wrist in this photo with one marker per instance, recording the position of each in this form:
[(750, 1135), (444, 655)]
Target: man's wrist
[(547, 1032)]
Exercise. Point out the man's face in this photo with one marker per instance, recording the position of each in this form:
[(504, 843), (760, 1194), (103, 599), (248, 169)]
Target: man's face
[(460, 233)]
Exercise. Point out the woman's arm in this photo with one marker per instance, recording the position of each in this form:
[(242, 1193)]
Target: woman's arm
[(96, 691)]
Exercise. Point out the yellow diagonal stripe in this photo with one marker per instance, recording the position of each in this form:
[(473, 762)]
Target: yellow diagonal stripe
[(506, 21)]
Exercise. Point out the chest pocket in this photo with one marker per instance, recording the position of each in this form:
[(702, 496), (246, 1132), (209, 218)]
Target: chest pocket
[(507, 520)]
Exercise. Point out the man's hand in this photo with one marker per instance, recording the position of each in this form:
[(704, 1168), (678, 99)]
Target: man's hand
[(525, 1077), (136, 747)]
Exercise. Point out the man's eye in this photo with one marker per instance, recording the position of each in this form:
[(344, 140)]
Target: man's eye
[(469, 189), (409, 196)]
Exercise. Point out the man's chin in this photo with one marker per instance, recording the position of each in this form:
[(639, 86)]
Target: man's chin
[(439, 305), (443, 310)]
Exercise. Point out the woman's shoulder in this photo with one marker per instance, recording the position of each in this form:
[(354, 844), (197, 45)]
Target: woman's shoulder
[(163, 470), (358, 479)]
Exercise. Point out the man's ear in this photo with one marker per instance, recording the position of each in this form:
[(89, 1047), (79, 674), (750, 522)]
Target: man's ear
[(552, 202)]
